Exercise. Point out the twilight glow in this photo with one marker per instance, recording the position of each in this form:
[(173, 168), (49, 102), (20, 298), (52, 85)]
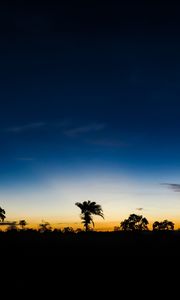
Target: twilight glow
[(89, 112)]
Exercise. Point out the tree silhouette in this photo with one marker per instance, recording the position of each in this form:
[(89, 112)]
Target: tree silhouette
[(168, 225), (164, 225), (134, 223), (78, 230), (2, 214), (44, 227), (117, 228), (156, 225), (88, 209), (22, 223), (68, 230), (12, 226)]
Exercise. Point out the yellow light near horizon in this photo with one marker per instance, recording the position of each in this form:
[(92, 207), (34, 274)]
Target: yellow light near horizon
[(118, 195)]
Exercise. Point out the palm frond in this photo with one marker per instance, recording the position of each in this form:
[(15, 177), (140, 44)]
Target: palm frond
[(88, 209)]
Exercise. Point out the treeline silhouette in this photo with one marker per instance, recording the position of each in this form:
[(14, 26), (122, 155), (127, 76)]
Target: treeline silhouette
[(131, 238), (88, 209), (56, 259)]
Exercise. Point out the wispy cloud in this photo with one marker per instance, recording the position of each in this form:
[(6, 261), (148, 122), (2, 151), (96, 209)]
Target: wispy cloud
[(25, 158), (65, 126), (108, 142), (78, 131), (174, 186), (26, 127)]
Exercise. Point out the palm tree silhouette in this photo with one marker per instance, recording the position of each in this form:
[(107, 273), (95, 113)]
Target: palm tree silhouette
[(2, 214), (88, 209)]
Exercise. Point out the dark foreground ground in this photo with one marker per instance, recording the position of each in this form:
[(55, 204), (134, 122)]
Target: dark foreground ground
[(72, 262), (55, 245)]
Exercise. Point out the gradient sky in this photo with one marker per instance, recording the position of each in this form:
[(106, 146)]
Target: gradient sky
[(89, 109)]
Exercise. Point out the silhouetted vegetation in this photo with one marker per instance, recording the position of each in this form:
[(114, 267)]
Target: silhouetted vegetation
[(164, 225), (88, 209), (22, 223), (67, 230), (12, 226), (117, 228), (44, 227), (134, 223), (2, 214), (128, 239), (67, 242)]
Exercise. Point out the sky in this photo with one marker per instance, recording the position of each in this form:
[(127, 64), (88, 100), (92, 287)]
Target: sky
[(89, 110)]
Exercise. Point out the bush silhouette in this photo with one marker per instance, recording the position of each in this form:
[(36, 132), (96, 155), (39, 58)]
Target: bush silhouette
[(164, 225)]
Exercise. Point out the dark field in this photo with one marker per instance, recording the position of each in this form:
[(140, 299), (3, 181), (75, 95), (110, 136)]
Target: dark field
[(55, 245), (69, 262)]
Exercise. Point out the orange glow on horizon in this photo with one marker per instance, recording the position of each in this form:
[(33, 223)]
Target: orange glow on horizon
[(99, 226)]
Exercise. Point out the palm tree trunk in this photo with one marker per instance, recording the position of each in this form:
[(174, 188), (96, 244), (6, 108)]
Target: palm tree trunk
[(86, 226)]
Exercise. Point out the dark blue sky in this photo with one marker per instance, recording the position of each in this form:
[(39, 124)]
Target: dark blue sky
[(87, 85)]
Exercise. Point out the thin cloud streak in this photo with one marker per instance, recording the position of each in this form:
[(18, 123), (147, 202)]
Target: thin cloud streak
[(25, 158), (77, 131), (26, 127), (174, 186)]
